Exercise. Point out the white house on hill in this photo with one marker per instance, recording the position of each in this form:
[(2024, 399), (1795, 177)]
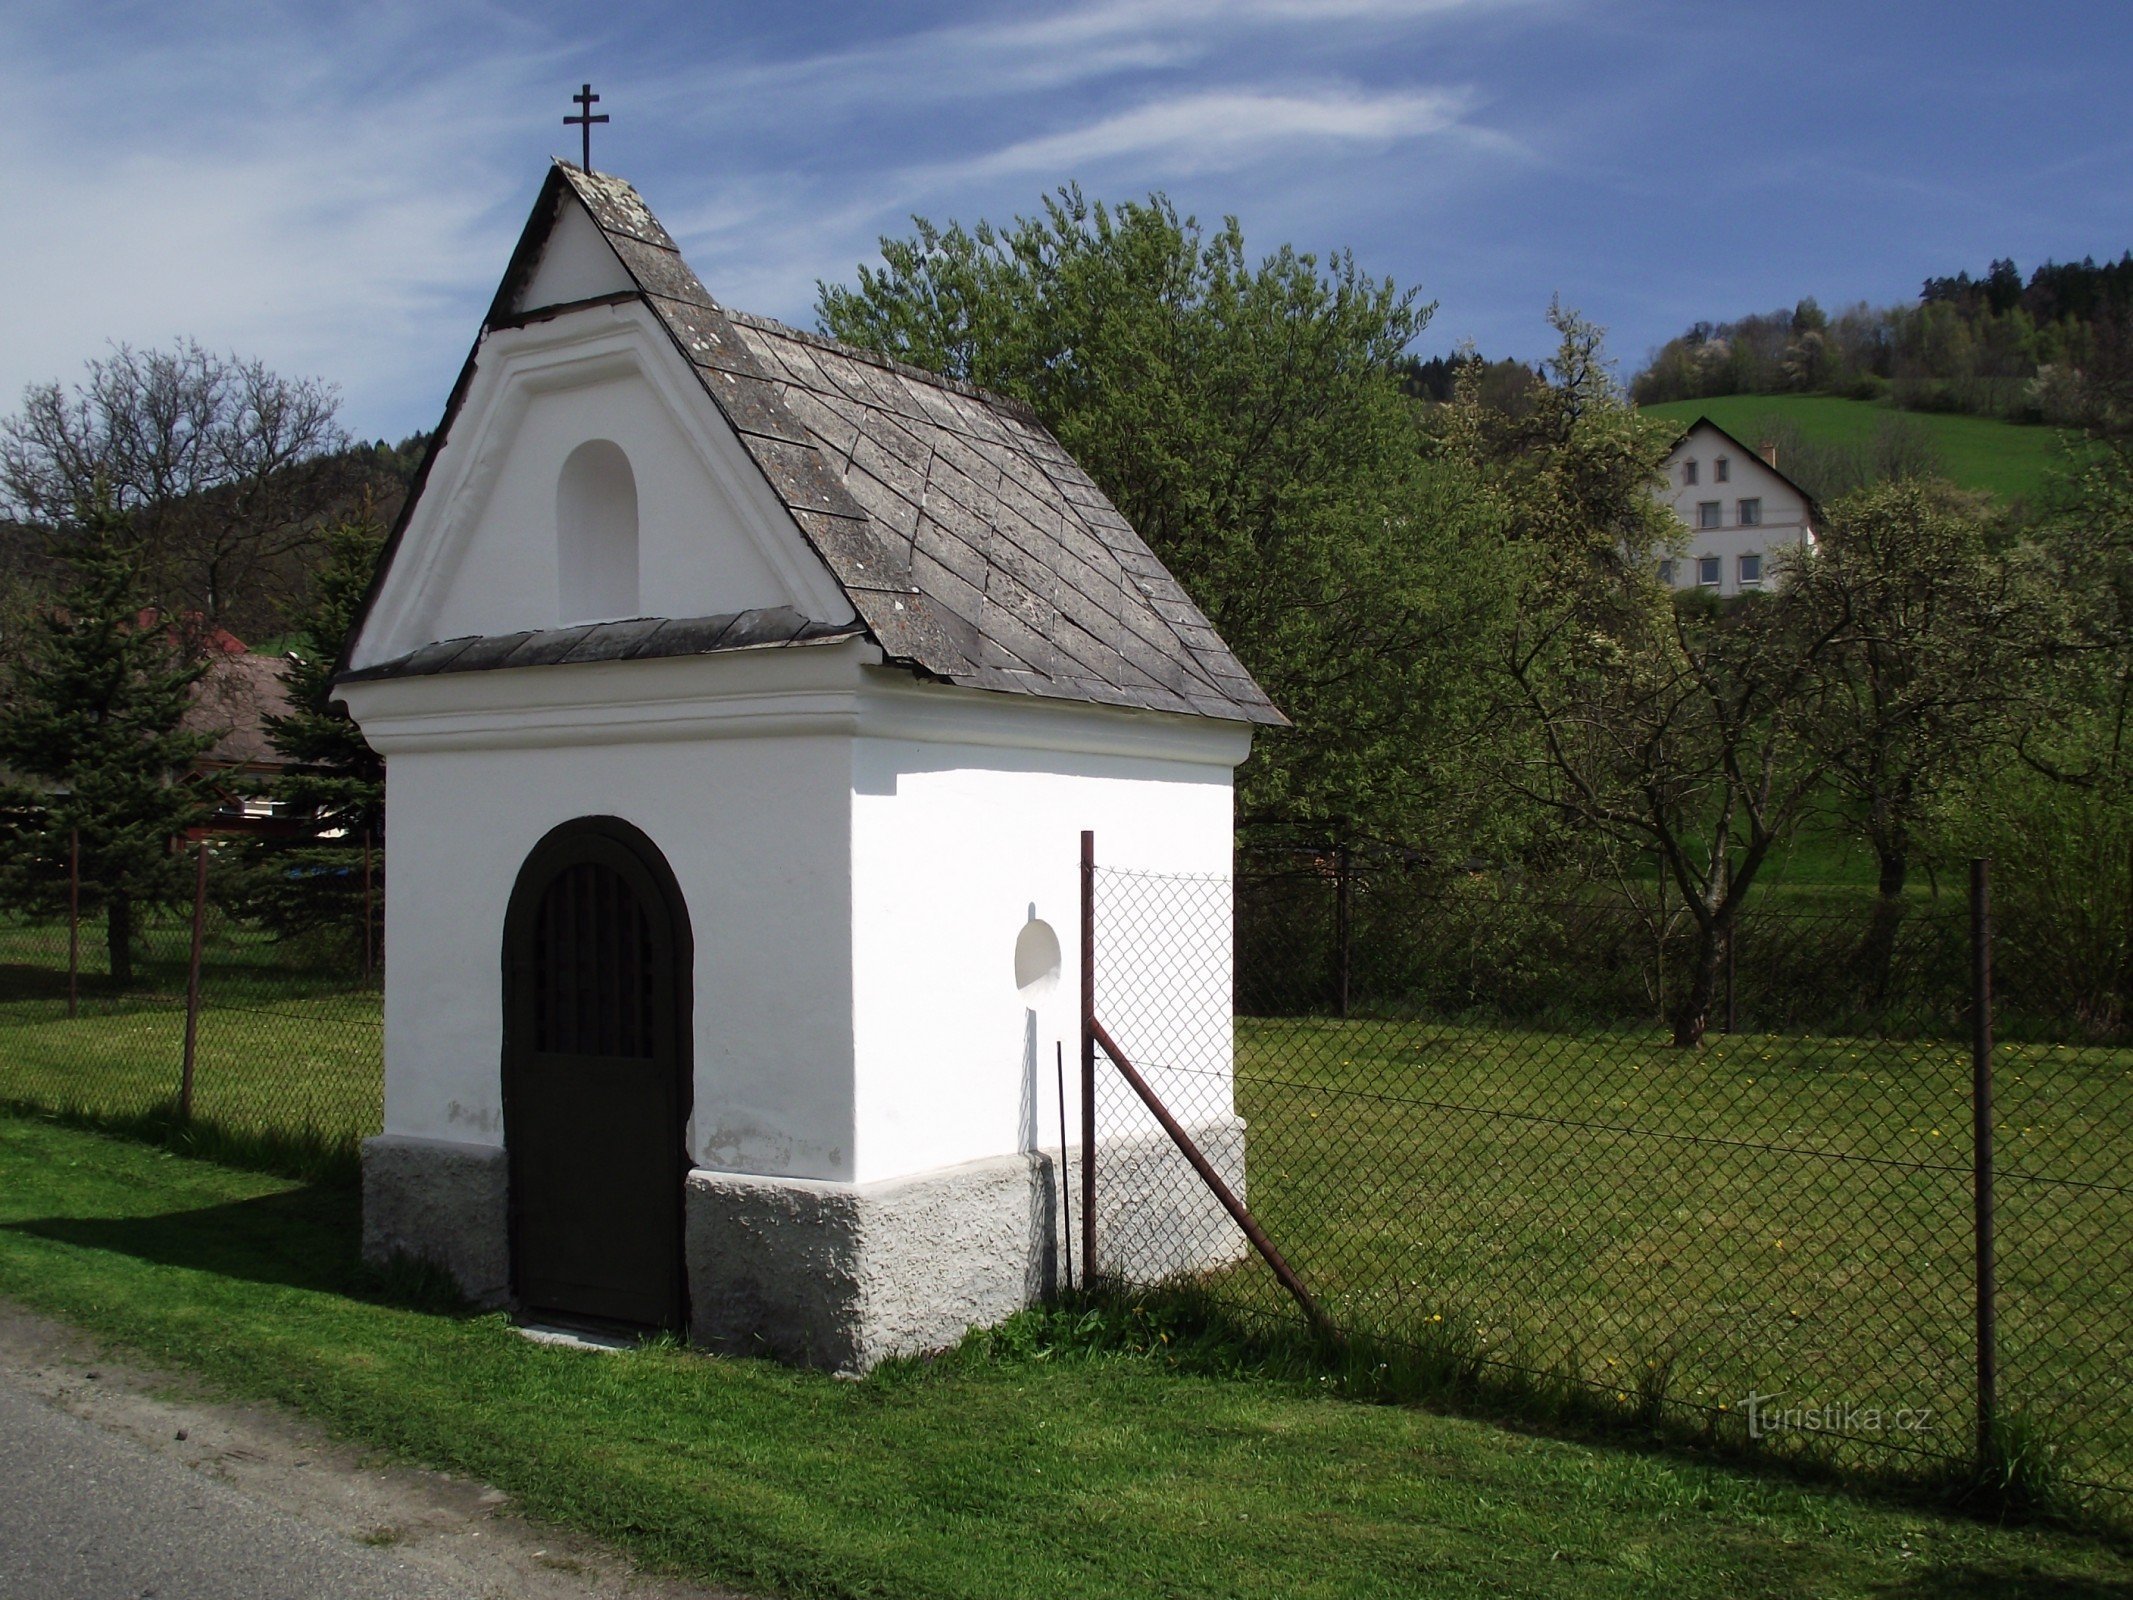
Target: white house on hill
[(743, 698), (1737, 511)]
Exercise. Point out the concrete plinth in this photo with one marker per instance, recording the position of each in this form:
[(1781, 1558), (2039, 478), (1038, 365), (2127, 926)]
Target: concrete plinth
[(844, 1276), (441, 1202)]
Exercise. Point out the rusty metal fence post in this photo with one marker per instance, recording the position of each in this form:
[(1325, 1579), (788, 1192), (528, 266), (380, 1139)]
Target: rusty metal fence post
[(1988, 1374), (1088, 1057), (192, 988), (73, 922), (1344, 924)]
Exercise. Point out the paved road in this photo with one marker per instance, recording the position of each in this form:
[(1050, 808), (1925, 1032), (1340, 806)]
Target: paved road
[(87, 1515), (122, 1483)]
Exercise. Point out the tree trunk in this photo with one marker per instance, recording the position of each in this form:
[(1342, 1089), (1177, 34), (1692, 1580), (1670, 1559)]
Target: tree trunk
[(1877, 952), (118, 938), (1692, 1013)]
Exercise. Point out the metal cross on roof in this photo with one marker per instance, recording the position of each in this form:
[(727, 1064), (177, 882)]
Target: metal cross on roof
[(585, 100)]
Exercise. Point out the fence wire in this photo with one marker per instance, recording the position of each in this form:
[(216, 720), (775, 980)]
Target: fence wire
[(1469, 1128), (287, 1054)]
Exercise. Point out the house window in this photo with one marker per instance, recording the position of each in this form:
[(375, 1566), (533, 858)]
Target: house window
[(1707, 514), (1688, 473), (1721, 470), (1707, 572), (1666, 572), (1751, 569), (1751, 513)]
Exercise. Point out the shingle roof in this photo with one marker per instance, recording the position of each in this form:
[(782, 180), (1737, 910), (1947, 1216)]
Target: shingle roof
[(639, 639), (972, 546), (231, 702)]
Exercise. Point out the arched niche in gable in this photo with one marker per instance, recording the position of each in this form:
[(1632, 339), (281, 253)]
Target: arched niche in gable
[(596, 535)]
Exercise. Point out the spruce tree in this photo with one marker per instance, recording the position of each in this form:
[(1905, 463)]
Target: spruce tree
[(313, 885), (333, 775), (93, 717)]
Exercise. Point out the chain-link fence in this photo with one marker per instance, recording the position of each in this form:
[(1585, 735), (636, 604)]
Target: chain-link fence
[(1471, 1132), (248, 1013)]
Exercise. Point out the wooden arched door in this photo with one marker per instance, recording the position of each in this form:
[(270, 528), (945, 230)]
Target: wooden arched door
[(596, 1077)]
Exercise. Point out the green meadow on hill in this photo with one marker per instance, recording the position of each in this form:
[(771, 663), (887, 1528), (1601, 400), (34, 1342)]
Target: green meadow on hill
[(2012, 460)]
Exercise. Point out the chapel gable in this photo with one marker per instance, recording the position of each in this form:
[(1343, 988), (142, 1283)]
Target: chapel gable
[(622, 451)]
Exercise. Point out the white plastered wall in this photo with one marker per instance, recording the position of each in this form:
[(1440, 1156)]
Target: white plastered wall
[(738, 769), (859, 855), (577, 263), (958, 840)]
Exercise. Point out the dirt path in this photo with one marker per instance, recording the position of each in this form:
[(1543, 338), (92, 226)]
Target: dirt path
[(453, 1536)]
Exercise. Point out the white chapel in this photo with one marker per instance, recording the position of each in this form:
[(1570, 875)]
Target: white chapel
[(743, 697)]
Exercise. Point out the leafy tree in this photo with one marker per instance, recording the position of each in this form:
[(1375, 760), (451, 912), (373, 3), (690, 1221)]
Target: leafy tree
[(1992, 344), (222, 464), (1507, 385), (2058, 819), (1248, 420), (1930, 672), (95, 708), (1693, 733)]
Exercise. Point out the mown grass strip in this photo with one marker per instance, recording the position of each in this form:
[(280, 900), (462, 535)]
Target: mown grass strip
[(1030, 1463)]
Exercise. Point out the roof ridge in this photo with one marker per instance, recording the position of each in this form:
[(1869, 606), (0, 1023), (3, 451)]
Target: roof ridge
[(1018, 409)]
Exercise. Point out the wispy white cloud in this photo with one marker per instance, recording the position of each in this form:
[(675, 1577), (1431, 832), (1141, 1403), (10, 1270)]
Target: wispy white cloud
[(335, 188), (330, 212), (1055, 48), (1217, 128)]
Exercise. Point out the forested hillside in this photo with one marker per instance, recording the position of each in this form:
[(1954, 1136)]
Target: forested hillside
[(1991, 346)]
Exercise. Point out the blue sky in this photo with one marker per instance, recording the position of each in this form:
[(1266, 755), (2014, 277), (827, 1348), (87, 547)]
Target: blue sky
[(336, 188)]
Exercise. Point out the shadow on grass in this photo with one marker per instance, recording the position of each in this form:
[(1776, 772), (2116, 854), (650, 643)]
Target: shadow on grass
[(2011, 1582), (328, 1161), (1184, 1327), (302, 1238), (299, 1239)]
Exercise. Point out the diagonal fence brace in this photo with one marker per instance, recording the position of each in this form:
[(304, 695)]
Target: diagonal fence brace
[(1213, 1179)]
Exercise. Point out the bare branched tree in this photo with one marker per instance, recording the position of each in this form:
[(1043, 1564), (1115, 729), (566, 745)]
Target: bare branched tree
[(223, 466), (1698, 734)]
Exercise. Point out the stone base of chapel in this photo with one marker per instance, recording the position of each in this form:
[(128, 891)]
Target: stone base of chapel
[(442, 1202), (836, 1275), (844, 1276)]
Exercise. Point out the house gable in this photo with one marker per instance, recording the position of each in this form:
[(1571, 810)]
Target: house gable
[(1740, 516), (1748, 474)]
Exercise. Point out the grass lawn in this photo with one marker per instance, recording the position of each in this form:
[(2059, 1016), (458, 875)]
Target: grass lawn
[(1026, 1464), (287, 1059), (306, 1071), (1774, 1215), (2009, 459)]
